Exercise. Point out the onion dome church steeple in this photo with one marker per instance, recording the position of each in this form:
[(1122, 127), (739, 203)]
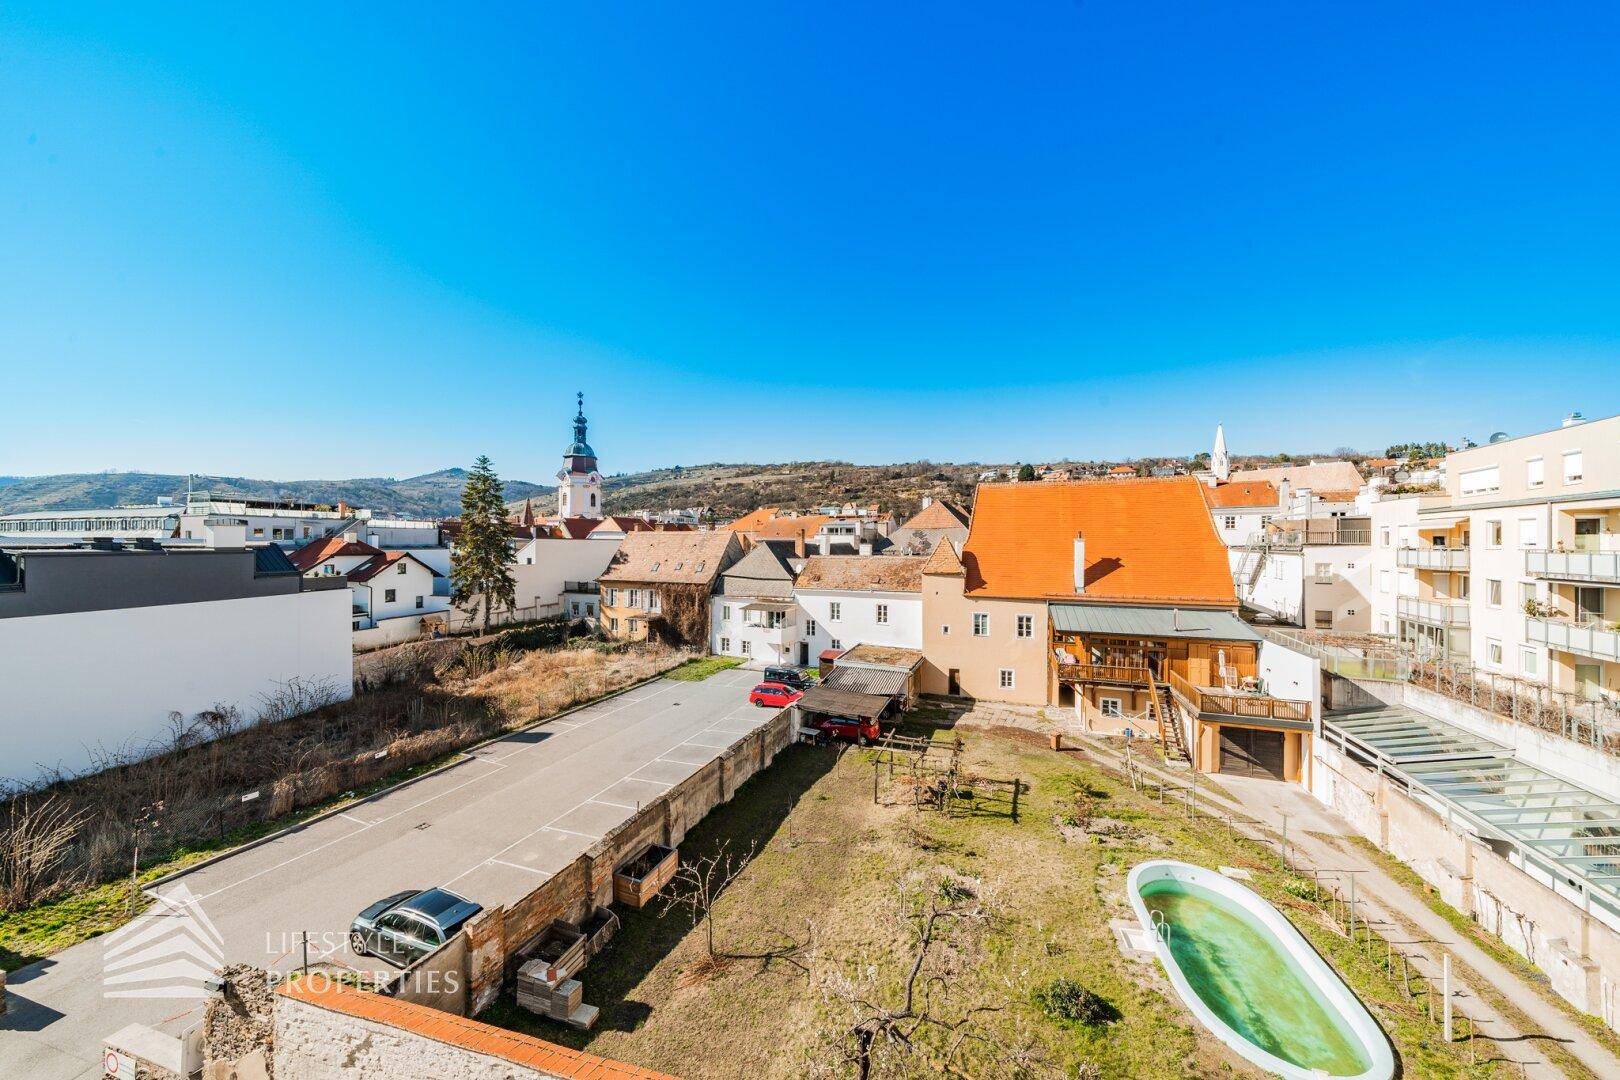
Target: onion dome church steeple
[(579, 483)]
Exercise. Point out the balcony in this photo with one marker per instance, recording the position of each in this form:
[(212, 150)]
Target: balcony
[(1445, 613), (1598, 567), (1433, 558), (1118, 674), (1238, 704), (1596, 640)]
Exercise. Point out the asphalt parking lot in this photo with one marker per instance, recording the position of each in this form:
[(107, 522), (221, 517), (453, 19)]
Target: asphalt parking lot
[(491, 828)]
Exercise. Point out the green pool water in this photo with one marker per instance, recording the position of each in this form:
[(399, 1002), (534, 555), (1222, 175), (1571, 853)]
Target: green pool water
[(1247, 979)]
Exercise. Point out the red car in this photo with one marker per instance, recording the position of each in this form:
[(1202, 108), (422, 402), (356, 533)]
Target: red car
[(773, 695), (863, 731)]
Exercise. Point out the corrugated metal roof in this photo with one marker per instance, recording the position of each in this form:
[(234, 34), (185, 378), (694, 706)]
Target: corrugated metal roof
[(833, 702), (1154, 622), (867, 680)]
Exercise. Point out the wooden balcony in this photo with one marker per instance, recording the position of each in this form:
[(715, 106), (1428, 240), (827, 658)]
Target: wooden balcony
[(1118, 674), (1237, 704)]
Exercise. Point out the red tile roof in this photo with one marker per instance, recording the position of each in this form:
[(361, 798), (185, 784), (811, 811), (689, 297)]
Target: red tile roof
[(453, 1030), (1241, 493), (1147, 541), (938, 514), (316, 552), (790, 528), (753, 520), (382, 561)]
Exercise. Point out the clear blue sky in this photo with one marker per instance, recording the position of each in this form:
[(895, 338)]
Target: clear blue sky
[(326, 243)]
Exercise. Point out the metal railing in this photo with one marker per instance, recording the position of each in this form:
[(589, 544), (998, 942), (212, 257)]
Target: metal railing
[(1593, 639), (1432, 558), (581, 587), (1433, 612), (1235, 703), (1600, 566)]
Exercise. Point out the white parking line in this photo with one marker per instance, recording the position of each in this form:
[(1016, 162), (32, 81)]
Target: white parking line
[(516, 866), (571, 832), (615, 805)]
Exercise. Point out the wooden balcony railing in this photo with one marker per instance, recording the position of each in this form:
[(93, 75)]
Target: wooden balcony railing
[(1238, 704), (1113, 673)]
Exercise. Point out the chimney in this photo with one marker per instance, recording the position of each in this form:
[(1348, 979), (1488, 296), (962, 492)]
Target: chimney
[(343, 508), (927, 501), (1079, 563), (824, 543), (866, 547), (798, 544)]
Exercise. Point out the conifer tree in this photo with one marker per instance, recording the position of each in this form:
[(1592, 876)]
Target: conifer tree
[(481, 561)]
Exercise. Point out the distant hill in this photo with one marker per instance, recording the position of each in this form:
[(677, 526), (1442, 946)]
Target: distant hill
[(432, 495)]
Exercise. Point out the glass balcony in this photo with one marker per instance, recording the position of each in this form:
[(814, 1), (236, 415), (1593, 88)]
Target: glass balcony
[(1595, 566), (1432, 558), (1433, 612), (1595, 640)]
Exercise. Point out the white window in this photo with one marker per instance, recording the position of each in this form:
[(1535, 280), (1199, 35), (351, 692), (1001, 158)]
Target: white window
[(1493, 650), (1324, 573), (1535, 472), (590, 608), (1529, 662), (836, 644), (725, 644), (1383, 536), (1493, 592), (635, 597), (1229, 522), (835, 611), (1006, 678), (420, 602), (1529, 535), (1384, 578), (613, 601), (613, 624), (574, 608), (809, 628), (635, 624), (725, 612), (1386, 624), (1572, 467), (882, 614), (1323, 619), (747, 647), (1527, 592), (1026, 626), (1111, 706), (981, 625), (1493, 532), (655, 601), (401, 569), (388, 596), (1481, 481)]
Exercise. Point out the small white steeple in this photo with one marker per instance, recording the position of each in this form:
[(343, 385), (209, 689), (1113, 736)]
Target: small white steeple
[(1220, 465)]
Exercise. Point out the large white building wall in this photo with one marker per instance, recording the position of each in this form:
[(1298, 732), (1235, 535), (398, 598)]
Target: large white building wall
[(1279, 589), (415, 582), (857, 623), (1337, 579), (110, 679), (732, 634), (1394, 526)]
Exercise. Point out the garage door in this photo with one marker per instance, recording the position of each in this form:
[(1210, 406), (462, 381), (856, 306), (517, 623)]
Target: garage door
[(1246, 752)]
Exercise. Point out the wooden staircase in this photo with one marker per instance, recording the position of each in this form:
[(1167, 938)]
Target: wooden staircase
[(1171, 741)]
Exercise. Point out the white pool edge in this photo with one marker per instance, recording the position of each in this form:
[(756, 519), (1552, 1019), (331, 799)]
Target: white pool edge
[(1333, 988)]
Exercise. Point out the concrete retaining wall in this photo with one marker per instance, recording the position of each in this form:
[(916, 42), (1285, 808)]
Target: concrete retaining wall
[(1533, 915)]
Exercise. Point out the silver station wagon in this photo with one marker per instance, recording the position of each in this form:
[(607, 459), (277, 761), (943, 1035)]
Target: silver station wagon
[(407, 926)]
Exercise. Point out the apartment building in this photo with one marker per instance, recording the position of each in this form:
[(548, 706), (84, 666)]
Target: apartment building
[(753, 613), (665, 578), (1517, 566), (851, 600), (1312, 572), (101, 642)]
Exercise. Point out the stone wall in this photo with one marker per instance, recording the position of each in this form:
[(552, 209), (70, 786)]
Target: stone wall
[(1541, 919), (484, 953)]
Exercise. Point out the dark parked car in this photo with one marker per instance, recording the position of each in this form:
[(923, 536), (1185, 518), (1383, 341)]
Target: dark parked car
[(773, 695), (863, 730), (405, 927), (787, 676)]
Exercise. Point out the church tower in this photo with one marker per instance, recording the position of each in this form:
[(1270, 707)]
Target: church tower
[(579, 484), (1220, 465)]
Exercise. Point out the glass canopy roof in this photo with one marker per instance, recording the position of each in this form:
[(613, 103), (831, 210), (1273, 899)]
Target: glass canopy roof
[(1552, 819)]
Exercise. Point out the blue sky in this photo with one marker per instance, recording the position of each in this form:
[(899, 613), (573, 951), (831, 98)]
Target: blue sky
[(310, 242)]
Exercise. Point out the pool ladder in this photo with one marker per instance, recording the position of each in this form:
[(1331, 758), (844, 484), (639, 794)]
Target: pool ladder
[(1161, 928)]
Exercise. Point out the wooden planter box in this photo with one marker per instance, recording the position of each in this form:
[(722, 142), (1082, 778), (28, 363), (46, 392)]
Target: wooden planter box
[(599, 930), (639, 880), (561, 949)]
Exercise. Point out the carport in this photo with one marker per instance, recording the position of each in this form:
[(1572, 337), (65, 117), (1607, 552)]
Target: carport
[(858, 693)]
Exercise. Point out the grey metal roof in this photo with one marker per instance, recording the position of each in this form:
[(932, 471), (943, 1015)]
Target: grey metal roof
[(831, 701), (270, 559), (867, 680), (762, 572), (1131, 621)]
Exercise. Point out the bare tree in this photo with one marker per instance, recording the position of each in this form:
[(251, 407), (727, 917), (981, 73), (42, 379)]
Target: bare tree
[(940, 1016), (34, 843), (698, 886)]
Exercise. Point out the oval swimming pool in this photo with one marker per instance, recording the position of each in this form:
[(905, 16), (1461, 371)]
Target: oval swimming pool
[(1250, 977)]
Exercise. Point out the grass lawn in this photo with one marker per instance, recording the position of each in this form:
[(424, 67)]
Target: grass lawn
[(830, 859), (704, 666)]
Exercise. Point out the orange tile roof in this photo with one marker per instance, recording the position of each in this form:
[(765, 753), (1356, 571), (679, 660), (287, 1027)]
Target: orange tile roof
[(1147, 541), (789, 528), (1241, 493), (455, 1030), (1123, 470), (943, 560), (316, 552), (753, 520), (938, 514)]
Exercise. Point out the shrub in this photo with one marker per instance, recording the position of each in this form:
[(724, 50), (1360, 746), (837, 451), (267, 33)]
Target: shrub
[(1067, 1001)]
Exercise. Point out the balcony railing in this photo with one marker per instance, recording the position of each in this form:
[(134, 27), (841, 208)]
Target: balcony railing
[(1433, 612), (581, 587), (1130, 674), (1595, 640), (1595, 566), (1432, 558), (1238, 704)]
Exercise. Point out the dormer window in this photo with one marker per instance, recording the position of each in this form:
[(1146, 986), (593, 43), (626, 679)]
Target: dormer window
[(656, 565)]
